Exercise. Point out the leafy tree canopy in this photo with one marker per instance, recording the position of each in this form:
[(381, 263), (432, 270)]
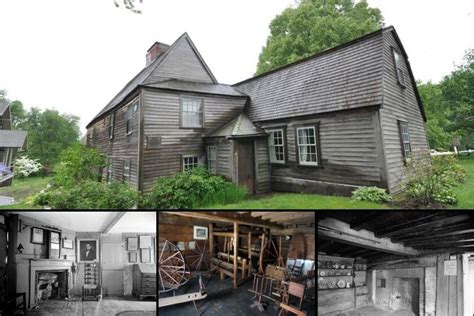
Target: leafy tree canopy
[(314, 26)]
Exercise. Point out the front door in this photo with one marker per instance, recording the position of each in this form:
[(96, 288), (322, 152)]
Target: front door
[(245, 165), (112, 267)]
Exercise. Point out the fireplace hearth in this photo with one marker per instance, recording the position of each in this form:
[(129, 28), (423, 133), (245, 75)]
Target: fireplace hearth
[(51, 284)]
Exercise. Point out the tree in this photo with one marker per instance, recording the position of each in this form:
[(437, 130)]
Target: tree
[(18, 113), (314, 26), (49, 133)]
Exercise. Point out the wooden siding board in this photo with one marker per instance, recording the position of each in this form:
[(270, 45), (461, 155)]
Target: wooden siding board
[(162, 112), (399, 104), (347, 78)]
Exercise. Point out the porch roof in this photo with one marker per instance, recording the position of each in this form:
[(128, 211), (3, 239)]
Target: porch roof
[(240, 126), (12, 139)]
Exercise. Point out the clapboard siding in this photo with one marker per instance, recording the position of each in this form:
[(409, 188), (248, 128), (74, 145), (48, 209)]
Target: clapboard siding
[(121, 147), (224, 155), (181, 63), (162, 119), (349, 77), (262, 166), (399, 104), (348, 149)]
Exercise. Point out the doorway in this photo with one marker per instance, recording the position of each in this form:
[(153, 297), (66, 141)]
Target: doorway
[(112, 267), (406, 293), (246, 165)]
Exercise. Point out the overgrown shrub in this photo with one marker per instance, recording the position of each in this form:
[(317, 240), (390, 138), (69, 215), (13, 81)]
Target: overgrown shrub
[(428, 185), (78, 163), (89, 195), (371, 194), (190, 189), (25, 167)]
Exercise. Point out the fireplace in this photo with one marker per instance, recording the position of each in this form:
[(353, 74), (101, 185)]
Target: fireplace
[(406, 295), (49, 279), (51, 284)]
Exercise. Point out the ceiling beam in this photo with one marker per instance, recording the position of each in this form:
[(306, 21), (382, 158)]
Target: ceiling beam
[(429, 240), (449, 230), (219, 218), (363, 220), (439, 222), (282, 216), (113, 220), (340, 231)]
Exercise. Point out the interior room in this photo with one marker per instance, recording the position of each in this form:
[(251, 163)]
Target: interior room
[(395, 263), (236, 263), (78, 263)]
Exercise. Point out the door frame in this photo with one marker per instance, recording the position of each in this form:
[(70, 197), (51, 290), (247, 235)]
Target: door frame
[(235, 150)]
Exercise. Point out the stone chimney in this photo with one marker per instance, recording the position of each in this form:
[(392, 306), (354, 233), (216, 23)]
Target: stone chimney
[(154, 51)]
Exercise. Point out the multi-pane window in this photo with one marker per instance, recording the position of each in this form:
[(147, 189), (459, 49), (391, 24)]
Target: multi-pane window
[(131, 110), (212, 159), (398, 66), (190, 162), (110, 127), (405, 139), (307, 151), (191, 112), (109, 170), (277, 146), (126, 171)]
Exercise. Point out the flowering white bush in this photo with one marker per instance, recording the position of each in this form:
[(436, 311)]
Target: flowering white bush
[(25, 166)]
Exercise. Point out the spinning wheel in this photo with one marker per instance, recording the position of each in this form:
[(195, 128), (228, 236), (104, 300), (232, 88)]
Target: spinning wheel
[(271, 254), (172, 269), (201, 257)]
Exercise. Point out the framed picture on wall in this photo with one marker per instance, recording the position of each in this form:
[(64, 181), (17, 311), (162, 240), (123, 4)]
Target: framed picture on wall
[(68, 244), (145, 242), (54, 238), (200, 232), (87, 250), (145, 254), (37, 235), (132, 244), (132, 257)]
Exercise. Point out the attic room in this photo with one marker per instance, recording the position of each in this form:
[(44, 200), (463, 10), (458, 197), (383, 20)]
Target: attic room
[(396, 263), (78, 263), (236, 263)]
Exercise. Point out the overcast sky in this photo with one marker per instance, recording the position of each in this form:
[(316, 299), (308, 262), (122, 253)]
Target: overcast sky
[(75, 55)]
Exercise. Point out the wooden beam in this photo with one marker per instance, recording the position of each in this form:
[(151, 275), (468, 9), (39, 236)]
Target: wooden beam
[(282, 216), (293, 231), (236, 247), (249, 253), (363, 220), (448, 230), (218, 218), (115, 218), (211, 243), (443, 239), (340, 231)]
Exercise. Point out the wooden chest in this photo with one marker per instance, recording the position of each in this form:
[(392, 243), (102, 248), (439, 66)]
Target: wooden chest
[(144, 280)]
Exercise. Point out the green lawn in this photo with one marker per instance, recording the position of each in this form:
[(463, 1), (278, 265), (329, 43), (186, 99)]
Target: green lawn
[(302, 201), (22, 190), (465, 191)]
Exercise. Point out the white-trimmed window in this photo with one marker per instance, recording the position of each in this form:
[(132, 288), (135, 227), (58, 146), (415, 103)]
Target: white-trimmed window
[(306, 141), (126, 171), (131, 110), (212, 159), (398, 67), (109, 170), (111, 125), (190, 162), (276, 144), (405, 139), (192, 112)]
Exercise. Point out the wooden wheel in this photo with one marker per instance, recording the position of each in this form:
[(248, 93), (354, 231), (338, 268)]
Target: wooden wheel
[(201, 257), (271, 254), (172, 269)]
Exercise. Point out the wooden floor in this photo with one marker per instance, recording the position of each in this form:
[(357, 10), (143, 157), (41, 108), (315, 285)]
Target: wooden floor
[(375, 311), (108, 306)]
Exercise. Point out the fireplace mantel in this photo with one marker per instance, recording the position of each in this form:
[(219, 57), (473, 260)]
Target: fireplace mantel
[(50, 263)]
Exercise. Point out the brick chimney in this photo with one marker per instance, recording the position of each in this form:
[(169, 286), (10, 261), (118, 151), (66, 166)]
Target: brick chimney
[(154, 51)]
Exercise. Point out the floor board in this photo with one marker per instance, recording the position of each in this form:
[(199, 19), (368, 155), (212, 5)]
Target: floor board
[(108, 306)]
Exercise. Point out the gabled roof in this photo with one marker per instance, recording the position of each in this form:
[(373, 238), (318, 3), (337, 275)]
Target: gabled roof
[(241, 126), (199, 87), (144, 75), (344, 77), (12, 139), (3, 106)]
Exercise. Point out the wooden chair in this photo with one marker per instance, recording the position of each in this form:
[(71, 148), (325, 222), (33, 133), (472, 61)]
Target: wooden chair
[(297, 290)]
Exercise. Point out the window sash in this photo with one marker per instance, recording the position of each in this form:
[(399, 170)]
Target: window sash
[(192, 112), (307, 149), (111, 125), (212, 158), (398, 66), (276, 144), (405, 139), (131, 110), (126, 171), (109, 170), (190, 162)]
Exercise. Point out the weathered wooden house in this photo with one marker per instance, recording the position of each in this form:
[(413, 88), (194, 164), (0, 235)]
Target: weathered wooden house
[(346, 117), (10, 143)]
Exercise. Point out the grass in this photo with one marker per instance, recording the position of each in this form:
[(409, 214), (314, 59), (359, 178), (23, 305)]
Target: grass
[(465, 191), (302, 201), (22, 190)]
